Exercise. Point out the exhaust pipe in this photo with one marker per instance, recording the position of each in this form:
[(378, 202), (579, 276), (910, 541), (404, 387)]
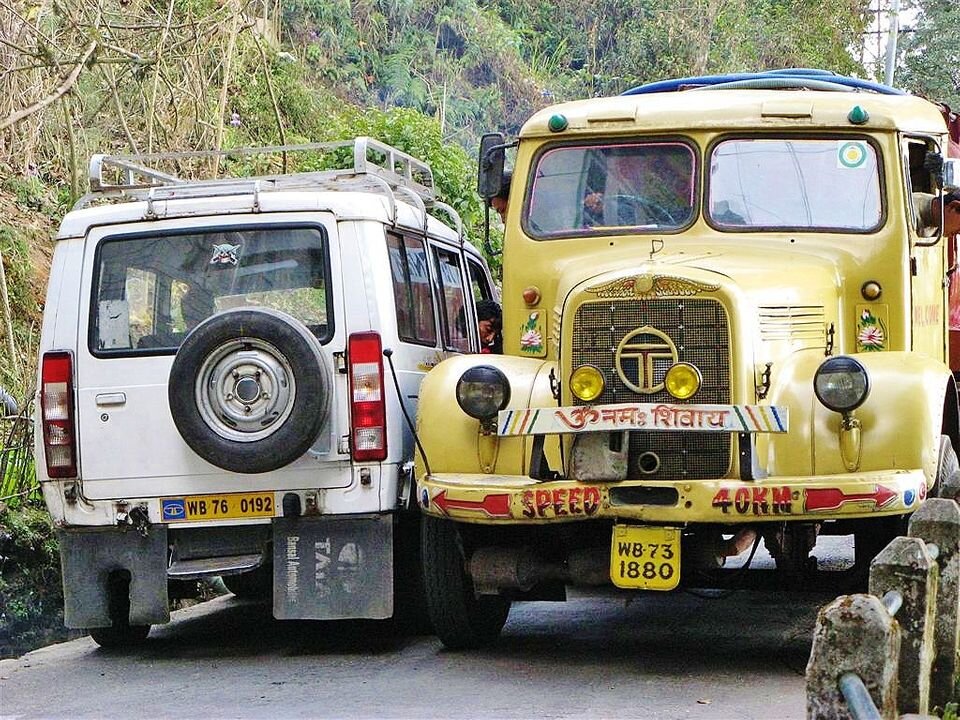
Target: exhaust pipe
[(495, 569)]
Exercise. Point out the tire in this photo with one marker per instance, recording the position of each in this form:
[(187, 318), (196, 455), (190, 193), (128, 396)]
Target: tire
[(869, 543), (460, 619), (249, 390), (410, 614), (254, 585), (947, 483), (120, 636)]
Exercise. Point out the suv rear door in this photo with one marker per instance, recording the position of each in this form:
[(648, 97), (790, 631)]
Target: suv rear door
[(144, 286)]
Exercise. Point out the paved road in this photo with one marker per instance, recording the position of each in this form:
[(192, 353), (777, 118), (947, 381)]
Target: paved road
[(660, 656)]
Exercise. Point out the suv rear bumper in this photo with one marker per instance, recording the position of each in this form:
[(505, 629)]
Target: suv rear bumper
[(323, 567), (514, 500)]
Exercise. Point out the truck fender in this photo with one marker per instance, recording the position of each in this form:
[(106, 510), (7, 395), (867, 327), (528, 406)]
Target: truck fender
[(453, 441), (911, 402)]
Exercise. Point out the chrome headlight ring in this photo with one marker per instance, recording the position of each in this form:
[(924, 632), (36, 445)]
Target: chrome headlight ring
[(483, 391), (841, 384)]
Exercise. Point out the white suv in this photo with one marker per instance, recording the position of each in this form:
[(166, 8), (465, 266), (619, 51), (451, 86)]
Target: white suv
[(226, 367)]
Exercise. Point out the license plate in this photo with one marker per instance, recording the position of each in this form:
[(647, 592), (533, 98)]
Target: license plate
[(217, 507), (645, 557)]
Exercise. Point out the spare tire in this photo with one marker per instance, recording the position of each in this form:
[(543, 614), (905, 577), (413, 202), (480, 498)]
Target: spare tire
[(249, 390)]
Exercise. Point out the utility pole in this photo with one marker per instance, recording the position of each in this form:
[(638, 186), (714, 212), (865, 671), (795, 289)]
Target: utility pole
[(893, 32)]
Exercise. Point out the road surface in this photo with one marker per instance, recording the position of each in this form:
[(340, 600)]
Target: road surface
[(740, 655)]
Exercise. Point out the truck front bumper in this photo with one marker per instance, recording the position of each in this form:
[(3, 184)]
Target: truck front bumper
[(516, 500)]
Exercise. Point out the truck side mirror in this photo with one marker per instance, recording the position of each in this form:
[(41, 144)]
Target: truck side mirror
[(951, 174), (490, 166)]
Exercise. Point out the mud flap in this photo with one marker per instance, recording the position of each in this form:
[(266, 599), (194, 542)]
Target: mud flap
[(88, 557), (332, 568)]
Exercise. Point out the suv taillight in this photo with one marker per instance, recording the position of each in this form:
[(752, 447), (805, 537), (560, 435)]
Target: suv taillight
[(57, 416), (368, 409)]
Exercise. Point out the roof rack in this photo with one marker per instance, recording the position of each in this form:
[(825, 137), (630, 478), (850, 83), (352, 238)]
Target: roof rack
[(375, 167), (786, 78)]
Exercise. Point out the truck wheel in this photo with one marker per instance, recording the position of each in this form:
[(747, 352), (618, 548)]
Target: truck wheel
[(410, 615), (121, 635), (947, 484), (249, 390), (460, 618)]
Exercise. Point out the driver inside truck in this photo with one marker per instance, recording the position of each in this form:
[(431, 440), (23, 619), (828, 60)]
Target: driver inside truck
[(928, 214), (639, 185), (499, 201)]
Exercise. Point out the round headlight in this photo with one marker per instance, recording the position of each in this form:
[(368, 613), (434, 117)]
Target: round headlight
[(586, 383), (683, 380), (841, 384), (482, 391)]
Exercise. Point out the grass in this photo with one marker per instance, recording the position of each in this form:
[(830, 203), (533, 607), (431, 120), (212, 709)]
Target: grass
[(18, 478)]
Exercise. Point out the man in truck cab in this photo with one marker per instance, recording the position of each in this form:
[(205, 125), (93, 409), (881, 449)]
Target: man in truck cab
[(637, 185), (928, 211)]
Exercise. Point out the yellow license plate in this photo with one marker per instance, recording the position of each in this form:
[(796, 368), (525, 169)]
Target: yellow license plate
[(217, 507), (645, 557)]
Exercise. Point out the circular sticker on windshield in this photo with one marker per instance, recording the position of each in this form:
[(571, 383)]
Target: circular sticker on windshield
[(851, 154)]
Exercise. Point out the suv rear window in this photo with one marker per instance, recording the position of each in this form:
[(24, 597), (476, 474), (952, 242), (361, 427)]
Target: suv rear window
[(151, 290)]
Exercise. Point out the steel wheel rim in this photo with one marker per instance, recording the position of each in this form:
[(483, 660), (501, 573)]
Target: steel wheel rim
[(245, 390)]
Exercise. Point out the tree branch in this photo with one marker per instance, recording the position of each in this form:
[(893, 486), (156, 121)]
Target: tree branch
[(58, 93), (273, 98), (224, 87), (21, 50), (152, 101), (111, 79)]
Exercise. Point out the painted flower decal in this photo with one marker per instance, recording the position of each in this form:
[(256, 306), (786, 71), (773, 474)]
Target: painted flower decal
[(870, 332), (872, 336), (531, 337)]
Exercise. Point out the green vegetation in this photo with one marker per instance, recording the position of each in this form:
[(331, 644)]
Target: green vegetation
[(31, 598), (930, 55)]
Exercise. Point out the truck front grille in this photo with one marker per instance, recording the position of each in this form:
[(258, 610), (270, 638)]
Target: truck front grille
[(699, 334)]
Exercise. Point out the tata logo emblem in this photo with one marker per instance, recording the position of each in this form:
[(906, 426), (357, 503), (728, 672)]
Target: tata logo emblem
[(643, 358), (173, 509)]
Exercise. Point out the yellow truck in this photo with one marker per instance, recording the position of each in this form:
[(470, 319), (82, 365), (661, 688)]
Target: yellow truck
[(724, 313)]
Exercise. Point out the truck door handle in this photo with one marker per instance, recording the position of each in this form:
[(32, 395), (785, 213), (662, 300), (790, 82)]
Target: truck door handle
[(111, 399)]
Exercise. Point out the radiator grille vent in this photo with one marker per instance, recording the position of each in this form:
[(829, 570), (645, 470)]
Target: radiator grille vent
[(698, 330)]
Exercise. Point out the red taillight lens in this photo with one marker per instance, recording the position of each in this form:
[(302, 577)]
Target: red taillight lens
[(368, 406), (57, 416)]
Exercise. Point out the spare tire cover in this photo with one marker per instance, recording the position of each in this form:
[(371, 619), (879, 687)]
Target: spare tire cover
[(249, 390)]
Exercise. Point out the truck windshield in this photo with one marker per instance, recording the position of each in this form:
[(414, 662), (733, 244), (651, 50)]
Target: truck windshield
[(802, 184), (604, 188)]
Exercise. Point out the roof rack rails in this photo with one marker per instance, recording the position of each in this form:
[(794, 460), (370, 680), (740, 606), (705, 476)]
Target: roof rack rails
[(786, 78), (375, 166)]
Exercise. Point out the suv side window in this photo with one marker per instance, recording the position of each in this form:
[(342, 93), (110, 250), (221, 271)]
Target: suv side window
[(416, 318), (478, 281), (455, 334)]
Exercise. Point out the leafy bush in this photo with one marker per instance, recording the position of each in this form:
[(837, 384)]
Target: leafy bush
[(31, 596), (20, 248), (18, 477)]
